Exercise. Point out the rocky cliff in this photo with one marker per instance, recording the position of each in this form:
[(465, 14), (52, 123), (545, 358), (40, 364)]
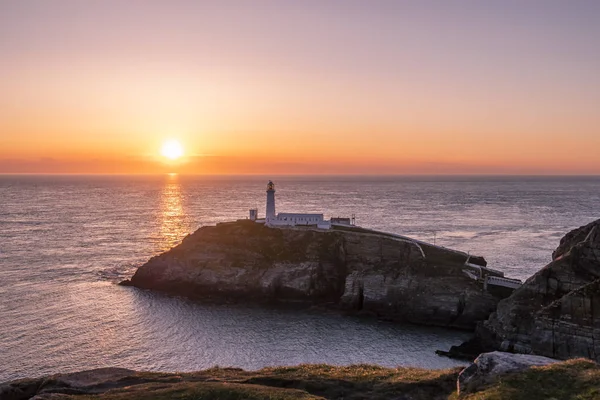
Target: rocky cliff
[(556, 313), (355, 270)]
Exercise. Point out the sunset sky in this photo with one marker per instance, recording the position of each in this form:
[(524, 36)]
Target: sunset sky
[(356, 87)]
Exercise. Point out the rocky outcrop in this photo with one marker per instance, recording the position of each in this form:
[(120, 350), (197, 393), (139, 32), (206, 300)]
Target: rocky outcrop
[(77, 383), (355, 270), (489, 367), (570, 326), (556, 313), (575, 237)]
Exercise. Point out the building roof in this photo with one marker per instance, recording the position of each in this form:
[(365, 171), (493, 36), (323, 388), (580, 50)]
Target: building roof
[(299, 215)]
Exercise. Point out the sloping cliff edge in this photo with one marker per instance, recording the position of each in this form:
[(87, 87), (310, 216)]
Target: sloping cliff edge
[(556, 313), (491, 376), (351, 269)]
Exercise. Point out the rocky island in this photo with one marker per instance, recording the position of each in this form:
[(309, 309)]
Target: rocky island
[(555, 313), (345, 267), (304, 259)]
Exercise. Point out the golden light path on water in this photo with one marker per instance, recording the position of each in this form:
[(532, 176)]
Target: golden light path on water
[(173, 224)]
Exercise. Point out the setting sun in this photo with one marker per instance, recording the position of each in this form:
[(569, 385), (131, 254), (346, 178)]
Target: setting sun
[(172, 149)]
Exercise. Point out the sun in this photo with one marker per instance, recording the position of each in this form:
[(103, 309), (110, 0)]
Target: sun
[(172, 149)]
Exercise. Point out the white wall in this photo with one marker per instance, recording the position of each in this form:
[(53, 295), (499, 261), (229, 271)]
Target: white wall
[(297, 219)]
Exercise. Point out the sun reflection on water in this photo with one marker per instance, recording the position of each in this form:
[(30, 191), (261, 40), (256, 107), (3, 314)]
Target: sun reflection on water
[(173, 222)]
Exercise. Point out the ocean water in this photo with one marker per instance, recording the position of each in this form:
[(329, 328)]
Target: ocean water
[(65, 241)]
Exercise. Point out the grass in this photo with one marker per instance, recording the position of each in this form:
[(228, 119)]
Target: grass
[(569, 380), (200, 391), (361, 381), (301, 382)]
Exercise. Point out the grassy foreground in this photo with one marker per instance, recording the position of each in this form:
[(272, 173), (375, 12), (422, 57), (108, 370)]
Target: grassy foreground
[(575, 379), (302, 382)]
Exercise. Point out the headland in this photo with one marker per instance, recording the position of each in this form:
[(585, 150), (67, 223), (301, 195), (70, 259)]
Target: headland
[(335, 264), (303, 259)]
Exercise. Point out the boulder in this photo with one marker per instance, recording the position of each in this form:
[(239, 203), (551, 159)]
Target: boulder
[(488, 367)]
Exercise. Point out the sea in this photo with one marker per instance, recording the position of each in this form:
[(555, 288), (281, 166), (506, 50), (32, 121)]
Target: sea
[(67, 240)]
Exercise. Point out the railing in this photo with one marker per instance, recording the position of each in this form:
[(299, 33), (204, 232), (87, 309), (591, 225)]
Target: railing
[(509, 283)]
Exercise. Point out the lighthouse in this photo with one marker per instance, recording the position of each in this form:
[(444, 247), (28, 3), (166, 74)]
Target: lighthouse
[(270, 215), (293, 219)]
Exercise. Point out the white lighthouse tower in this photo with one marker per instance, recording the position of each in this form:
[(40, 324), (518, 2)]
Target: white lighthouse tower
[(293, 219), (270, 202)]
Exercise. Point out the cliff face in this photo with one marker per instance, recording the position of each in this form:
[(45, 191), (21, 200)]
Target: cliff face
[(355, 271), (556, 313)]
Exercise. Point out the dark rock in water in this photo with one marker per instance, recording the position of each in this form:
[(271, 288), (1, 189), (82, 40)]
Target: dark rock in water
[(556, 313), (468, 351), (478, 260), (352, 269)]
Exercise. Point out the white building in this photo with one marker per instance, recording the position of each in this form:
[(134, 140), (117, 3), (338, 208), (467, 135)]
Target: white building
[(293, 219)]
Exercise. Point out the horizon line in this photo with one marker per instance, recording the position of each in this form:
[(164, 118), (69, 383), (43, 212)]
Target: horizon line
[(295, 174)]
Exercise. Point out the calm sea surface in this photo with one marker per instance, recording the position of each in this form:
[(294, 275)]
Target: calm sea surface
[(66, 240)]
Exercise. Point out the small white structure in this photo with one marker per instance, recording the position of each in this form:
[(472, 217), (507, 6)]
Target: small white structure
[(293, 219), (253, 214), (342, 220)]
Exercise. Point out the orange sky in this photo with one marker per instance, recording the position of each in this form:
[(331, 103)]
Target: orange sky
[(384, 88)]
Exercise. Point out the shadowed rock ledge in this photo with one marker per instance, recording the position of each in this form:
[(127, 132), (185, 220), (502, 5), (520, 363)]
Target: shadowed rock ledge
[(556, 313), (352, 269)]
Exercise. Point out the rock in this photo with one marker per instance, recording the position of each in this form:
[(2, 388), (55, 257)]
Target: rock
[(573, 238), (353, 269), (468, 350), (60, 385), (21, 389), (88, 380), (488, 367), (556, 313), (570, 326)]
